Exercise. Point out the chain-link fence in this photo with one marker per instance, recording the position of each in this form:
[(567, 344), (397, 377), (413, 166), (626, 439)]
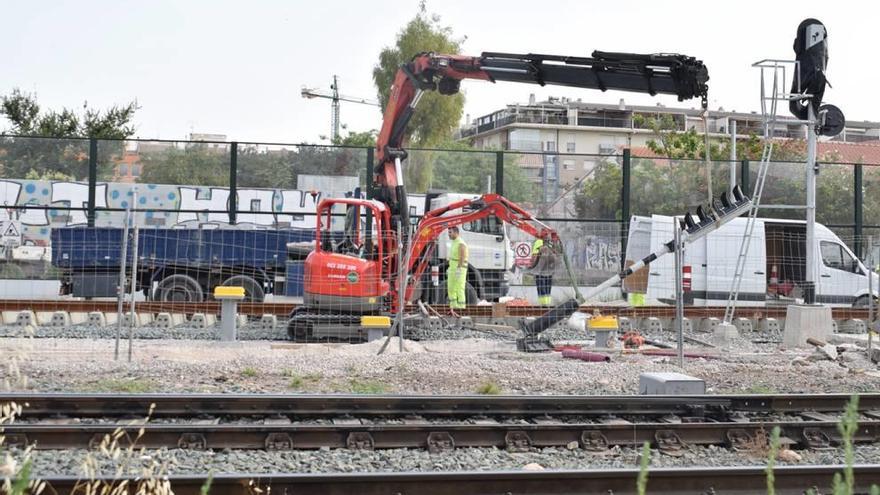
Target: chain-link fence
[(179, 218)]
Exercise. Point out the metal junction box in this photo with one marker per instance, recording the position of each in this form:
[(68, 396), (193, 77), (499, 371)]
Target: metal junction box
[(670, 384)]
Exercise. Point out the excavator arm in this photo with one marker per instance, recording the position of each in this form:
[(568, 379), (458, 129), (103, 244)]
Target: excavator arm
[(434, 223), (679, 75)]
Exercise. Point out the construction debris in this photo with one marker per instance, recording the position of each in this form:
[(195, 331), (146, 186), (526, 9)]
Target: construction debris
[(829, 351)]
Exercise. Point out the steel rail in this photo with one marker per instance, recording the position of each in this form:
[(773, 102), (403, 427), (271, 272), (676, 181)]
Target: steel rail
[(284, 309), (38, 405), (670, 438), (681, 481)]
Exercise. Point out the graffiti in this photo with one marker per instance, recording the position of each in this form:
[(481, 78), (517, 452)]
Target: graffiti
[(38, 205)]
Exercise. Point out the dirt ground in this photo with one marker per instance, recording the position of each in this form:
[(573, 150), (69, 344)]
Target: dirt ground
[(470, 366)]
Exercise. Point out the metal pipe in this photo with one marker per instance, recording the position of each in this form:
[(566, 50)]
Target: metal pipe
[(679, 292), (120, 292), (590, 357), (812, 170), (134, 260)]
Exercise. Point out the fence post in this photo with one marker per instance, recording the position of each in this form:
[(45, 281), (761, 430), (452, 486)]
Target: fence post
[(91, 214), (626, 167), (233, 182), (858, 208), (744, 179), (499, 173), (370, 158)]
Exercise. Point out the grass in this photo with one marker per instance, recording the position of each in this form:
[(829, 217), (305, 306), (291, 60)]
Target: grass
[(489, 388), (358, 386), (760, 388), (301, 381), (249, 372), (124, 385)]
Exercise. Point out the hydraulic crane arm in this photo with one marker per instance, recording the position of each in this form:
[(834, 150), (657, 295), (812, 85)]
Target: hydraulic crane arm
[(679, 75), (434, 223)]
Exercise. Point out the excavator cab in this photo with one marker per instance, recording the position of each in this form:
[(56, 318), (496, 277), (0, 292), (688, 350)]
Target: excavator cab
[(350, 267)]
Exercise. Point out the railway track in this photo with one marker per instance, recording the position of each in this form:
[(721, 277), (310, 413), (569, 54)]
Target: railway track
[(284, 309), (515, 423), (683, 481)]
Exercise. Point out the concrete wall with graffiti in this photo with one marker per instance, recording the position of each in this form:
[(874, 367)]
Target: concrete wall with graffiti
[(594, 250), (38, 206)]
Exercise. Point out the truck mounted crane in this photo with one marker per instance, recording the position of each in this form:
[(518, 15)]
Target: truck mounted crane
[(360, 274)]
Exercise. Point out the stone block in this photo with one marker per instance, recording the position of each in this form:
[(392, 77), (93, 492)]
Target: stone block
[(60, 319), (128, 321), (241, 320), (96, 319), (651, 324), (25, 318), (269, 322), (854, 325), (202, 320), (163, 320), (769, 325), (670, 384), (687, 325), (725, 333), (743, 325), (803, 321), (625, 324), (709, 324)]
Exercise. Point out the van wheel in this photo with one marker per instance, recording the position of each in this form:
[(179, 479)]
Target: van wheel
[(862, 301)]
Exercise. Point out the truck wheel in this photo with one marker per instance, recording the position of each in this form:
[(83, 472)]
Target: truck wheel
[(253, 291), (179, 288)]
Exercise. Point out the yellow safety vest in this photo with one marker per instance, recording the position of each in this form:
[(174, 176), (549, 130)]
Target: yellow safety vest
[(454, 262)]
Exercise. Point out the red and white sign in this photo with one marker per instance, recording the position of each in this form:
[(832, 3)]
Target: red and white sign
[(522, 254)]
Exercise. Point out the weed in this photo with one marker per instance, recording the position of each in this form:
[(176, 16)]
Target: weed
[(124, 385), (302, 381), (644, 462), (249, 372), (489, 388), (761, 388), (771, 461), (367, 386)]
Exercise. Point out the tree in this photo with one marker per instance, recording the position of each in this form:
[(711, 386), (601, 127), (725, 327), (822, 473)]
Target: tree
[(65, 155), (195, 165), (460, 168), (437, 115)]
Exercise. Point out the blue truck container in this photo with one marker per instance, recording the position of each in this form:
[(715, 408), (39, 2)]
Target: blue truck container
[(180, 264)]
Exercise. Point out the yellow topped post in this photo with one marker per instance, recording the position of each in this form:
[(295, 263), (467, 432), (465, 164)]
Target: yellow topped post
[(228, 297)]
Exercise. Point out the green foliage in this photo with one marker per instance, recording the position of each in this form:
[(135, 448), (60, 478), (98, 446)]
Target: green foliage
[(461, 168), (205, 489), (367, 386), (847, 427), (366, 139), (437, 116), (59, 159), (599, 195), (302, 381), (644, 462), (249, 372), (771, 460), (489, 388), (197, 164)]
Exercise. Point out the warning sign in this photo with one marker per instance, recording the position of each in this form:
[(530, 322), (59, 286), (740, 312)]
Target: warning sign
[(522, 254), (10, 230)]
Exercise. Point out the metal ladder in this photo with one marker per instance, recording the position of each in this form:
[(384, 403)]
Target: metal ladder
[(769, 105)]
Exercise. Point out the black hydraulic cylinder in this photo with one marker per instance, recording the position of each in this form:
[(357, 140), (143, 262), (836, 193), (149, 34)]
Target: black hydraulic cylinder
[(550, 318)]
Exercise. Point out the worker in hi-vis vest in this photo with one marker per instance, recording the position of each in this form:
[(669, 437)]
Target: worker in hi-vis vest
[(543, 265), (456, 274)]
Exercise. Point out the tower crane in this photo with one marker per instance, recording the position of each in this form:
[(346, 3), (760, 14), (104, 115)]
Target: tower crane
[(335, 98)]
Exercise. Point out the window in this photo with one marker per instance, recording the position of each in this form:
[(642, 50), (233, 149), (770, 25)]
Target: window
[(550, 146), (569, 147), (136, 170), (567, 164), (488, 225), (123, 170), (834, 256)]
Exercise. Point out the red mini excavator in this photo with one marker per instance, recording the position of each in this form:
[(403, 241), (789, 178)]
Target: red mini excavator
[(358, 273)]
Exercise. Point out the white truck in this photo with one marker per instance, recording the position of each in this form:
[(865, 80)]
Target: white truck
[(490, 258), (774, 270)]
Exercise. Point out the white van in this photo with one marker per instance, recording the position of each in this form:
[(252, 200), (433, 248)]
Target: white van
[(774, 271)]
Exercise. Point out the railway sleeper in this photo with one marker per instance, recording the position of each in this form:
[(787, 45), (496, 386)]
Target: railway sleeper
[(192, 441), (360, 440), (278, 441)]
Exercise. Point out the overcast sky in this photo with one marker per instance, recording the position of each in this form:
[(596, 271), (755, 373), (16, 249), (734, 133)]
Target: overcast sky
[(236, 68)]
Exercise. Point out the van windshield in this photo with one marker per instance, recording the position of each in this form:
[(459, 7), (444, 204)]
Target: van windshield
[(834, 256)]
